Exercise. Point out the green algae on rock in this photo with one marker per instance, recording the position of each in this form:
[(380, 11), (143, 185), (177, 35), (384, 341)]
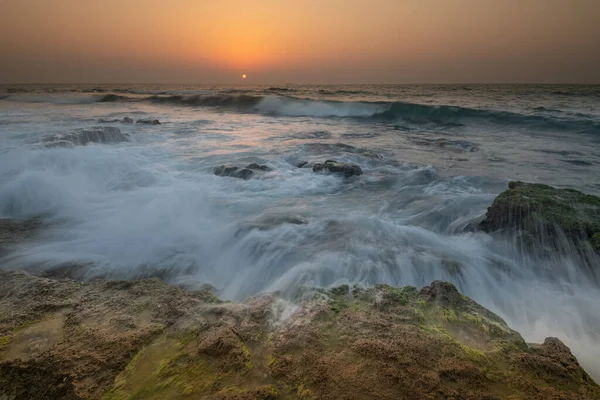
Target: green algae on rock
[(148, 340), (545, 213)]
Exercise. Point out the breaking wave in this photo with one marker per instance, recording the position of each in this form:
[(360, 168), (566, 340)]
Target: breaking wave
[(277, 104)]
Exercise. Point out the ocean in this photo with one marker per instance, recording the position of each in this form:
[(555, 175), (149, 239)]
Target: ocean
[(433, 159)]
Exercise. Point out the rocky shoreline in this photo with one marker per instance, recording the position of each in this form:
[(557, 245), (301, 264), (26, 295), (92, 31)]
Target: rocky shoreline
[(145, 339), (63, 339)]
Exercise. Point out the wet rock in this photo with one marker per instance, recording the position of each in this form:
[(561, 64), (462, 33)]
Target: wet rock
[(143, 339), (257, 167), (147, 121), (267, 222), (34, 380), (127, 120), (302, 164), (83, 137), (338, 167), (442, 293), (241, 173), (546, 214), (13, 231)]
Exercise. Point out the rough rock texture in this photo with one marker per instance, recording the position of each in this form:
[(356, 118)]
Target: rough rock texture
[(107, 134), (242, 173), (126, 120), (148, 340), (333, 166), (545, 214)]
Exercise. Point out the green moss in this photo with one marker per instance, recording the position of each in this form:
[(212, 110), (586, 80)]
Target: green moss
[(341, 290), (471, 353), (568, 209), (4, 341), (400, 296), (448, 315), (161, 371), (247, 356), (303, 393), (477, 321)]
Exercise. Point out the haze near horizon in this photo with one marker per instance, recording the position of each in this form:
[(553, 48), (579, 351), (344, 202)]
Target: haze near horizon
[(335, 41)]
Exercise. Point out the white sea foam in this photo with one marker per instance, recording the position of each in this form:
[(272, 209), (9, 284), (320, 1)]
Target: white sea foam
[(153, 207)]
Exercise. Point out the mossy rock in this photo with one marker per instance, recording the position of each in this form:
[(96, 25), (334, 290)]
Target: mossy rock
[(596, 241), (545, 213)]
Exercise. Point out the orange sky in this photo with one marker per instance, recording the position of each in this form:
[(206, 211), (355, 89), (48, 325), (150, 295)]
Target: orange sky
[(307, 41)]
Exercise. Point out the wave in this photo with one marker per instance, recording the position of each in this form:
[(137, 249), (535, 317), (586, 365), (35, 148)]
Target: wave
[(277, 104), (413, 113)]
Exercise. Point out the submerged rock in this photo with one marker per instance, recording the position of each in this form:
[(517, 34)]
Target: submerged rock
[(147, 121), (545, 214), (107, 134), (338, 167), (14, 231), (242, 173), (147, 340)]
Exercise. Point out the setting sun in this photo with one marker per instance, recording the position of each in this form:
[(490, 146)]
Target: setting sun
[(244, 76)]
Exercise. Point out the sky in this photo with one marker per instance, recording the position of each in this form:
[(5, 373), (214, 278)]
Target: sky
[(304, 41)]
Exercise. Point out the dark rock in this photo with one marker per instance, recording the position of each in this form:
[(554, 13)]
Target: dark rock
[(14, 231), (545, 214), (241, 173), (147, 121), (234, 172), (41, 380), (337, 167), (272, 221), (469, 228), (107, 134), (302, 164), (127, 120), (258, 167), (442, 293), (596, 241)]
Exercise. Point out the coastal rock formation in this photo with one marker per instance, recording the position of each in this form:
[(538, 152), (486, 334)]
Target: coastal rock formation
[(107, 134), (338, 167), (545, 214), (147, 121), (127, 120), (242, 173), (148, 340)]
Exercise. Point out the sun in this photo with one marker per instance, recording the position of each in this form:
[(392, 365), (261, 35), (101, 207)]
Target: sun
[(244, 76)]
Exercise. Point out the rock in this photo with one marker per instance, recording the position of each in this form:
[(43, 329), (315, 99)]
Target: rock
[(127, 120), (83, 137), (337, 167), (146, 339), (241, 173), (13, 231), (258, 167), (596, 241), (302, 164), (545, 214), (147, 121)]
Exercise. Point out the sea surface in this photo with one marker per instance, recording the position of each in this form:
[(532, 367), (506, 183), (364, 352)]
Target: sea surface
[(434, 158)]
